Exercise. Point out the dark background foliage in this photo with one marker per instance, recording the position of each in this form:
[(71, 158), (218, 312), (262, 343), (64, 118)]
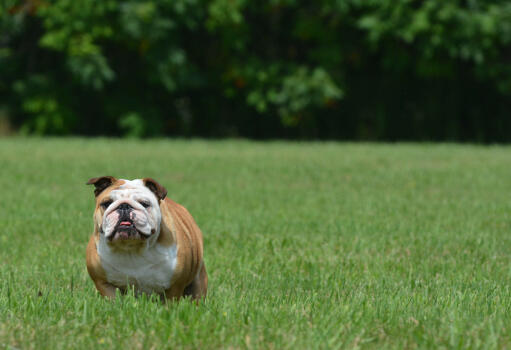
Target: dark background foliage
[(325, 69)]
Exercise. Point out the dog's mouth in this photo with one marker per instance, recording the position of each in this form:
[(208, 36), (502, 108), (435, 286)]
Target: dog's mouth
[(126, 231)]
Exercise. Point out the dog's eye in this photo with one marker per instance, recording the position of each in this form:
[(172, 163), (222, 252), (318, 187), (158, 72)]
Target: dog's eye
[(106, 204), (145, 204)]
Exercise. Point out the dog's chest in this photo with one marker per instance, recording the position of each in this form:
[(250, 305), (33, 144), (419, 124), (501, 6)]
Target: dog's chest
[(148, 272)]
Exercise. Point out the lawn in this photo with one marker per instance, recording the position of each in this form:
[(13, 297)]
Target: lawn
[(307, 245)]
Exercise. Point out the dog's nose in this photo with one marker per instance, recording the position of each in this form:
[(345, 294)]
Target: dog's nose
[(124, 206)]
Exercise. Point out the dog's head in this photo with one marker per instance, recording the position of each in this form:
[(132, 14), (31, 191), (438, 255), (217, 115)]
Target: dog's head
[(127, 212)]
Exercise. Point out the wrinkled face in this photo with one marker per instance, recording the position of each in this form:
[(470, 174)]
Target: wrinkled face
[(128, 213)]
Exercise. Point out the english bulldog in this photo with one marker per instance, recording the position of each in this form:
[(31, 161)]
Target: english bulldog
[(144, 240)]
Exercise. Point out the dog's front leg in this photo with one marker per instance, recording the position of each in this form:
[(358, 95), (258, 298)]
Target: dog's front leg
[(174, 293), (105, 289)]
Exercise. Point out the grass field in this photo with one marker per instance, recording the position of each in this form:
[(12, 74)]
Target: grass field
[(307, 245)]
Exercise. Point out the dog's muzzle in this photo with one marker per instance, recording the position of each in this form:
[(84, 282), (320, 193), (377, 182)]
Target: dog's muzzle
[(125, 228)]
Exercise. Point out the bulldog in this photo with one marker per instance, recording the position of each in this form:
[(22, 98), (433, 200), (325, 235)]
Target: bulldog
[(144, 240)]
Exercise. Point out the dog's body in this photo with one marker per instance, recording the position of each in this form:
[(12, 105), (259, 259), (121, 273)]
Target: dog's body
[(144, 240)]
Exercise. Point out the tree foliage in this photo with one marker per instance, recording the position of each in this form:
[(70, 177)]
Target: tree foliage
[(350, 69)]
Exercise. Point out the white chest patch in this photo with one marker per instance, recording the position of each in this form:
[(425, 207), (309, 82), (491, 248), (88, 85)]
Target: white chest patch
[(148, 272)]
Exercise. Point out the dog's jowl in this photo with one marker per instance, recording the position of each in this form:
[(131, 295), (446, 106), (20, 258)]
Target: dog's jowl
[(144, 240)]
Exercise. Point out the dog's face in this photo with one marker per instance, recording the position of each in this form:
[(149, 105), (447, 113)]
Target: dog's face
[(127, 212)]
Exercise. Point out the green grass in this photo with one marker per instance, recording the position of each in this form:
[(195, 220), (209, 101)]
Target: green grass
[(307, 245)]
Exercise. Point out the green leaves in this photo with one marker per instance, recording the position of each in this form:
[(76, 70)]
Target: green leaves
[(142, 21), (133, 125), (468, 32), (306, 66), (224, 13), (74, 28), (297, 92)]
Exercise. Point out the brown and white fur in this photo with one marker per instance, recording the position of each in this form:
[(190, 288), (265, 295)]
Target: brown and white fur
[(144, 240)]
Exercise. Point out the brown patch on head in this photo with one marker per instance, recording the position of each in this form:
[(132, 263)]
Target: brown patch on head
[(106, 192), (159, 191), (101, 183), (104, 185), (103, 188)]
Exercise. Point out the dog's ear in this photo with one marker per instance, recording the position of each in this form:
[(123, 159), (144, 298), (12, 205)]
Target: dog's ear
[(101, 183), (155, 187)]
